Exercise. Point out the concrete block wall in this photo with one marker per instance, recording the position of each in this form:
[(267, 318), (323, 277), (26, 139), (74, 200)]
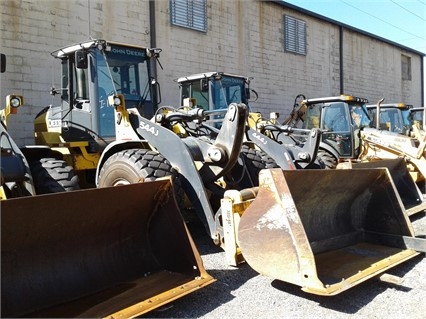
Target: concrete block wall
[(372, 69), (242, 37), (247, 38), (31, 29)]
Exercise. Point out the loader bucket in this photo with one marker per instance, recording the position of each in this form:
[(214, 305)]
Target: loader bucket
[(408, 190), (110, 252), (325, 230)]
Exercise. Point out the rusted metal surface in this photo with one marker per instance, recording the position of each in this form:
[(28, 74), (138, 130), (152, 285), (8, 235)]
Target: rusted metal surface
[(119, 251), (409, 192), (322, 229)]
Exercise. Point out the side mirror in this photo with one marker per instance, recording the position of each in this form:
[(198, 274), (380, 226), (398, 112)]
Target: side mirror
[(81, 60), (248, 93), (157, 90), (2, 63), (204, 84)]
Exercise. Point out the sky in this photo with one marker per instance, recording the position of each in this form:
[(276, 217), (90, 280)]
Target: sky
[(401, 21)]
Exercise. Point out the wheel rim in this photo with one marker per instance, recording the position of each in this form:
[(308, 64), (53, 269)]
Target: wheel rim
[(120, 182)]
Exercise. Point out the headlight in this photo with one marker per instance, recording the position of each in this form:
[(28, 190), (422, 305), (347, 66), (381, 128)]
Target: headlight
[(117, 101), (15, 102)]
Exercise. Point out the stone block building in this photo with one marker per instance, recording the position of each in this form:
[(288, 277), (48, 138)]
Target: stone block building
[(285, 49)]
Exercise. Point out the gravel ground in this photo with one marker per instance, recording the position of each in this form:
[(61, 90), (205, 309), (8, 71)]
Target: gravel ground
[(241, 292)]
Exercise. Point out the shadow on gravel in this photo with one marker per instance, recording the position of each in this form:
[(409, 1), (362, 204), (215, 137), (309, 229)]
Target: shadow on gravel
[(205, 300), (229, 279), (352, 300)]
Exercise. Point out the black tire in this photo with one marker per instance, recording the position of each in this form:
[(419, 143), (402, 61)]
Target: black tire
[(327, 160), (51, 175), (267, 160), (133, 166), (245, 173)]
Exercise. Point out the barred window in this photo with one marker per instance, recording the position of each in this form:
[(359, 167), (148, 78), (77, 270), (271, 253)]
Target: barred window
[(189, 13), (406, 67), (294, 35)]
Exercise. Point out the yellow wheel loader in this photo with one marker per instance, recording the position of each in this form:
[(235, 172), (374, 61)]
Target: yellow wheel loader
[(109, 129), (202, 160), (28, 171), (296, 226), (15, 175), (216, 90), (330, 132), (106, 252)]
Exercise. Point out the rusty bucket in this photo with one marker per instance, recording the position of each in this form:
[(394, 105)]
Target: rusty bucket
[(325, 230), (111, 252)]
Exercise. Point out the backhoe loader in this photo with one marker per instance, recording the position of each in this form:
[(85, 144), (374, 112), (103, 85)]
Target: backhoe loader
[(348, 136), (400, 118), (106, 252), (393, 117), (417, 116)]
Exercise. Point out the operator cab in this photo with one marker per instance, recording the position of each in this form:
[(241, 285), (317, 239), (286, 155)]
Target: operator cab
[(393, 117), (91, 72), (214, 91), (416, 116), (340, 118)]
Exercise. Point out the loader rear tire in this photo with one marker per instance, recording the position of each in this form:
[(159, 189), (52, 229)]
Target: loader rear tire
[(133, 166), (51, 175), (327, 160)]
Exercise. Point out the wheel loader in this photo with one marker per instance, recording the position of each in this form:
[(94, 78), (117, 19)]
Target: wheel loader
[(216, 90), (275, 227), (339, 120), (15, 175), (106, 252), (315, 145), (29, 170), (110, 129), (16, 178), (202, 160)]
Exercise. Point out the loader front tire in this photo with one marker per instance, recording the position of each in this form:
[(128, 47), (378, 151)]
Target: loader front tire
[(327, 160), (51, 175), (134, 166), (251, 161)]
